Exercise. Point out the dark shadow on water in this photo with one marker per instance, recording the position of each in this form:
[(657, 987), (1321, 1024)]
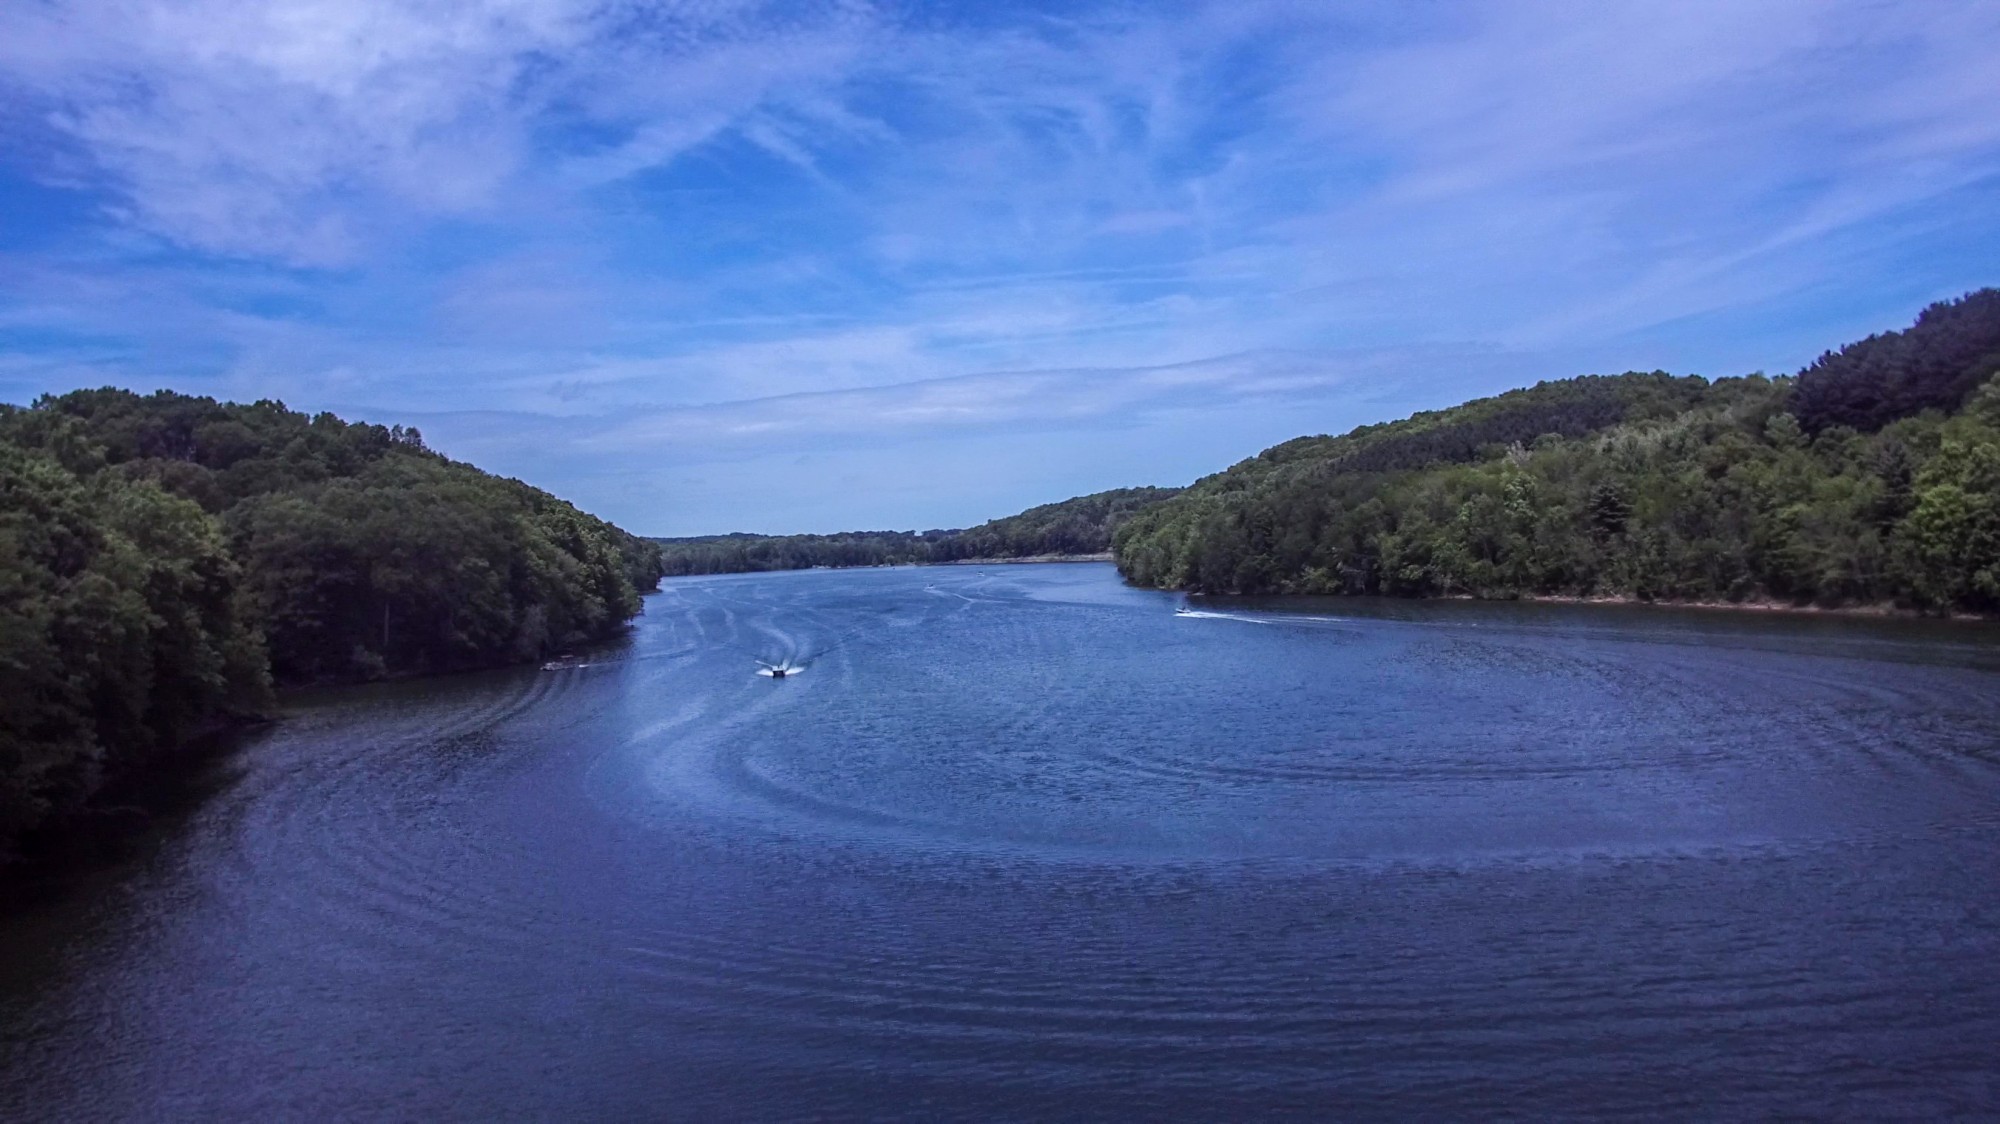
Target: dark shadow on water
[(66, 889), (126, 822), (70, 871)]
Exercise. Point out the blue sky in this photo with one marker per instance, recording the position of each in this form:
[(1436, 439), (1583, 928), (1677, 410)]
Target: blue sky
[(714, 265)]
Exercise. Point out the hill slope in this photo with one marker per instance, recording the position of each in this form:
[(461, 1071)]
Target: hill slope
[(1636, 485), (1083, 525), (164, 558)]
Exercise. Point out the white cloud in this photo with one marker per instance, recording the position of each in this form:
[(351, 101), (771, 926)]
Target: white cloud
[(742, 225), (774, 425), (305, 130)]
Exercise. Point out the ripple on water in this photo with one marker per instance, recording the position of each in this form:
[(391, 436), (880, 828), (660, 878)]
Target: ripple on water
[(1014, 850), (989, 726)]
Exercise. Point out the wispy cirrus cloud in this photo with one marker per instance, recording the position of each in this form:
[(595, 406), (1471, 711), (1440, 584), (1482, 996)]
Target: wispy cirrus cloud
[(1037, 398), (310, 131), (755, 231)]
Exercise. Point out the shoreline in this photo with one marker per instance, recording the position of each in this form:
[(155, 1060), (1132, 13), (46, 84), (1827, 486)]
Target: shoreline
[(1106, 556), (1876, 611)]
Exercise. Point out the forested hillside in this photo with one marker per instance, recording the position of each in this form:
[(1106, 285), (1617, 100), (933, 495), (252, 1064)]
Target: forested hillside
[(1872, 477), (1935, 365), (1082, 525), (742, 553), (164, 558)]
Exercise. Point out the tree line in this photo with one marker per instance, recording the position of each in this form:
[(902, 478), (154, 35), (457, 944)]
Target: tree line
[(1083, 525), (166, 559), (1871, 477)]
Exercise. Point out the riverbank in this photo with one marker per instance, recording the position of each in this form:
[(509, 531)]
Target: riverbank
[(131, 797), (1880, 610), (1752, 605), (1104, 556)]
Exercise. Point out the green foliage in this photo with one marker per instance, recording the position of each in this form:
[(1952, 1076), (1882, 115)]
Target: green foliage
[(1638, 485), (1951, 540), (1083, 525), (1952, 348), (162, 557), (745, 553), (122, 631)]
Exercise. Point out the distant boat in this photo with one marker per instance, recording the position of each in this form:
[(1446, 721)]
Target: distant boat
[(1183, 611)]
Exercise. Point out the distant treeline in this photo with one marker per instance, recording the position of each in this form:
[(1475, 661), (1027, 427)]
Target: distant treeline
[(1083, 525), (165, 559), (1871, 477)]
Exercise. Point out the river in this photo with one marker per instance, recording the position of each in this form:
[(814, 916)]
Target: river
[(1019, 842)]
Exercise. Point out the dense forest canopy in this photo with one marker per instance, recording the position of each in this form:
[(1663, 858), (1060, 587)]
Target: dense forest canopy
[(1083, 525), (743, 553), (164, 558), (123, 630), (1873, 477), (1953, 348)]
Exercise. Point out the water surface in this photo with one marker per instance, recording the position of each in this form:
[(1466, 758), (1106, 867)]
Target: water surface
[(1022, 843)]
